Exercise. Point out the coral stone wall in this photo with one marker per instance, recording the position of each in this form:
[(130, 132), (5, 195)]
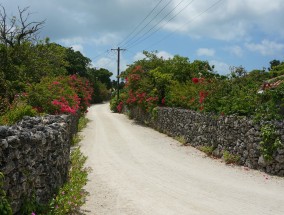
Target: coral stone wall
[(238, 135), (34, 157)]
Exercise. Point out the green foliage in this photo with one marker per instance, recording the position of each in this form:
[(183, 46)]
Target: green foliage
[(30, 205), (76, 139), (270, 141), (181, 139), (72, 196), (208, 150), (28, 63), (177, 82), (83, 121), (101, 92), (63, 94), (114, 103), (230, 158), (77, 63), (5, 207), (16, 112)]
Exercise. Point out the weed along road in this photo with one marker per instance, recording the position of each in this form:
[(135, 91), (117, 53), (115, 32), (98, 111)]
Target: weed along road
[(137, 170)]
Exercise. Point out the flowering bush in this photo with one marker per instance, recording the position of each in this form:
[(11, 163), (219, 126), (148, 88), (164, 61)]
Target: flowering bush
[(59, 95), (155, 82)]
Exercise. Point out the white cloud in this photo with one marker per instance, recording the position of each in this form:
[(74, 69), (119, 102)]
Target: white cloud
[(235, 50), (105, 39), (220, 67), (205, 52), (164, 54), (78, 47), (138, 56), (266, 47), (161, 54), (110, 63), (230, 20)]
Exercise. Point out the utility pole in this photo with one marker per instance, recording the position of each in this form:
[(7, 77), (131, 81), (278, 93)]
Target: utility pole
[(118, 65)]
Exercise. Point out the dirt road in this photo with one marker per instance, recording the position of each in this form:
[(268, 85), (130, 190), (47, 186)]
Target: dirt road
[(137, 170)]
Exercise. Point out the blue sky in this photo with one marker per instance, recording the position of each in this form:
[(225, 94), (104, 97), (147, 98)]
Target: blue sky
[(225, 33)]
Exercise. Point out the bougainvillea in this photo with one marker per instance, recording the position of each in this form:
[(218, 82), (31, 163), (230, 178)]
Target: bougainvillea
[(60, 95)]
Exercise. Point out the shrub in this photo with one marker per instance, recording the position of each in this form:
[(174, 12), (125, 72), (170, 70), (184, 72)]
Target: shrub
[(230, 158), (181, 139), (208, 150), (18, 109), (59, 95), (5, 207), (270, 141), (72, 196)]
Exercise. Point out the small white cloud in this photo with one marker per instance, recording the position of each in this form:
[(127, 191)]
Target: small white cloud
[(160, 54), (165, 55), (138, 56), (220, 67), (106, 39), (235, 50), (71, 41), (205, 52), (78, 47), (266, 47)]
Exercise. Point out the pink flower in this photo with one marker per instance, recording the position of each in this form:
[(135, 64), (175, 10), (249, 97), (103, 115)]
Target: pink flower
[(56, 82)]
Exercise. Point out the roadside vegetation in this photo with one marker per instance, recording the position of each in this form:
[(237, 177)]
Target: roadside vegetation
[(178, 82), (39, 77)]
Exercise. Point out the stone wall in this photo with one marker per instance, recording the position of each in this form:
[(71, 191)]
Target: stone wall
[(34, 157), (239, 136)]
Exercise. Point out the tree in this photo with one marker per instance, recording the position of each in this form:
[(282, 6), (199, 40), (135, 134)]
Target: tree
[(77, 63), (273, 64), (16, 30), (103, 75)]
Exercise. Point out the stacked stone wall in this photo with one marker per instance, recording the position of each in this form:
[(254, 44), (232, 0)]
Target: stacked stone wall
[(239, 136), (34, 157)]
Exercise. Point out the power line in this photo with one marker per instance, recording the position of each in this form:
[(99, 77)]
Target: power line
[(141, 22), (101, 54), (147, 23), (109, 59), (190, 21), (141, 39)]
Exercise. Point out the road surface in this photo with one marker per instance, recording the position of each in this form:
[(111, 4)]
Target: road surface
[(139, 171)]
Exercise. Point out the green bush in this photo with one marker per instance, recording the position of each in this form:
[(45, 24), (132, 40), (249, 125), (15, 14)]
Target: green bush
[(230, 158), (5, 208), (208, 150), (177, 82), (72, 196), (270, 141), (18, 110)]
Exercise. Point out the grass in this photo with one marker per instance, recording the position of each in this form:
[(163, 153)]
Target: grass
[(208, 150), (76, 139), (83, 121), (230, 158), (181, 139)]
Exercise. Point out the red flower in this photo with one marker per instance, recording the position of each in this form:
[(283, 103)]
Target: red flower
[(56, 82), (163, 101), (195, 80), (119, 107)]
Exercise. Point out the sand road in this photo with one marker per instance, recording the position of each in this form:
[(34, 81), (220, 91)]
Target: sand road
[(137, 171)]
